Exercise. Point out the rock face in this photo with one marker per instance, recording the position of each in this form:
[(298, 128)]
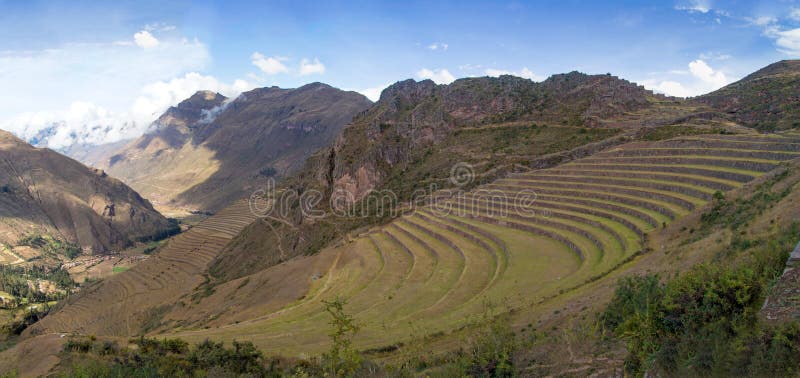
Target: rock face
[(208, 151), (412, 117), (43, 192), (413, 114), (768, 99)]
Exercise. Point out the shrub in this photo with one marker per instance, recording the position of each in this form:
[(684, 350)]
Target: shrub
[(704, 322), (173, 228), (342, 360), (490, 352), (268, 172)]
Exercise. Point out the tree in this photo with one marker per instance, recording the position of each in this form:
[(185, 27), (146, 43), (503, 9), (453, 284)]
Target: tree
[(342, 360)]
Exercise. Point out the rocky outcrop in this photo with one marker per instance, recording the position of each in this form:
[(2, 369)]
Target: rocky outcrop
[(411, 115)]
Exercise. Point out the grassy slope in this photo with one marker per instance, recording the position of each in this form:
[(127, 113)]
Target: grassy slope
[(492, 151), (765, 100), (567, 343)]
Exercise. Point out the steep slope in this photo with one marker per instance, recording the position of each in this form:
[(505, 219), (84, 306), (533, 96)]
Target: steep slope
[(413, 115), (432, 270), (598, 199), (209, 151), (768, 99), (418, 131), (43, 192)]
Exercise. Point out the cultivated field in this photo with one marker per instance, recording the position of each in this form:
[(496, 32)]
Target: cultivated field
[(121, 304), (433, 271)]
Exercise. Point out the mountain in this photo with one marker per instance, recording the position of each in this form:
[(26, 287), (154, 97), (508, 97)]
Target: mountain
[(768, 99), (614, 181), (45, 193), (413, 136), (209, 150), (412, 115)]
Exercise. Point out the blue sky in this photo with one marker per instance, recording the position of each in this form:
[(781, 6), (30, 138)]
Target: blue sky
[(101, 71)]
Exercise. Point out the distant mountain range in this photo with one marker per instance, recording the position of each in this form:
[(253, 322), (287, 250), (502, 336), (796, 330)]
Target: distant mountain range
[(209, 150)]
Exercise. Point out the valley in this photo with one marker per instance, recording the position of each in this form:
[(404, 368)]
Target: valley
[(527, 201), (430, 272)]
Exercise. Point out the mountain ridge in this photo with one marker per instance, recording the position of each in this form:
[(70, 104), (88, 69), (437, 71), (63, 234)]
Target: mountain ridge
[(768, 99), (209, 150)]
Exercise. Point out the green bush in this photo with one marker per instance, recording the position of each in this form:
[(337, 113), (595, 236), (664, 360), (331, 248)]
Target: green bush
[(51, 246), (704, 322), (165, 358), (343, 360), (737, 213), (173, 228)]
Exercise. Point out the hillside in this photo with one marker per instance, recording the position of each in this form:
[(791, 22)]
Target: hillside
[(553, 202), (45, 193), (768, 99), (209, 151), (411, 116), (410, 140), (431, 269)]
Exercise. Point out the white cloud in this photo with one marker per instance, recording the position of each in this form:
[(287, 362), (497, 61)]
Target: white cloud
[(269, 65), (111, 74), (87, 122), (145, 40), (308, 67), (701, 6), (438, 46), (524, 73), (761, 20), (700, 79), (794, 14), (156, 97), (788, 41), (440, 76), (715, 56), (706, 74), (373, 93), (100, 92)]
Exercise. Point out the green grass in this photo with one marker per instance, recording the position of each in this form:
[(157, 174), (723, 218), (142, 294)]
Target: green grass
[(421, 275), (119, 269), (486, 148), (668, 132)]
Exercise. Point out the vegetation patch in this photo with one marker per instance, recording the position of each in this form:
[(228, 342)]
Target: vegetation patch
[(119, 269), (669, 132), (173, 228), (487, 149), (705, 322), (51, 246), (20, 282), (737, 213)]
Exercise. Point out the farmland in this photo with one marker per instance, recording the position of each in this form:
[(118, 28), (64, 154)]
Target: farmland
[(431, 272)]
